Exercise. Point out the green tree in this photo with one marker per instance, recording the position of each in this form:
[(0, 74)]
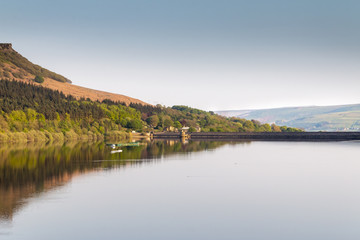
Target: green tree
[(249, 126), (267, 127), (57, 116), (153, 120), (65, 124), (135, 124), (42, 121), (31, 114), (168, 122), (18, 115), (177, 125), (3, 124)]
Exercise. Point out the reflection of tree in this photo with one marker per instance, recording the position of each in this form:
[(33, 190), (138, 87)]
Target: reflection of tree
[(33, 169)]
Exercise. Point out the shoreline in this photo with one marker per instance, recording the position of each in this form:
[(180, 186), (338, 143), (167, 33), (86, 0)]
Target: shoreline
[(35, 136)]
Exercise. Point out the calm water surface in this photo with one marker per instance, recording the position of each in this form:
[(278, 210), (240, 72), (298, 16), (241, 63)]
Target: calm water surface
[(172, 190)]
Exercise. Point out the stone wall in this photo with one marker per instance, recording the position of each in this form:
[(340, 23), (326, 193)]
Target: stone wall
[(267, 136)]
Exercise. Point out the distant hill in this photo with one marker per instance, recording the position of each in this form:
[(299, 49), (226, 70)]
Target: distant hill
[(13, 66), (314, 118)]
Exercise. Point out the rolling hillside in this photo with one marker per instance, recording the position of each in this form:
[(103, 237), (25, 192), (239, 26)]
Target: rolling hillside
[(314, 118), (13, 66)]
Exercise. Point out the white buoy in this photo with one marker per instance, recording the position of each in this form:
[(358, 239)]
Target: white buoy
[(116, 151)]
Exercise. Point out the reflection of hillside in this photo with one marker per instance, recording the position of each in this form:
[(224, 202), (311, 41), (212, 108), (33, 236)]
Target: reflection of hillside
[(29, 170), (12, 198)]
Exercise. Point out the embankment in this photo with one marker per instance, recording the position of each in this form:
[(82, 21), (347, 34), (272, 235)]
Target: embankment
[(266, 136)]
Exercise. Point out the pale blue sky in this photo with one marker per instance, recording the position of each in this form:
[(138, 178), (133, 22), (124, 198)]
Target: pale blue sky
[(208, 54)]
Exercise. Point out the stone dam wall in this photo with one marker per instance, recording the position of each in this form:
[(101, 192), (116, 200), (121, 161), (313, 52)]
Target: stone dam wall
[(267, 136)]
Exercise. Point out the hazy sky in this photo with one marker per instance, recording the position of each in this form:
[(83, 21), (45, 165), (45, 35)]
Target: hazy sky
[(214, 55)]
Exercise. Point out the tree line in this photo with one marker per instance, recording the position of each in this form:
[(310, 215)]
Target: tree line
[(25, 107)]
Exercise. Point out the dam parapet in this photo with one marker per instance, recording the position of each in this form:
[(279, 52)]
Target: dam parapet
[(264, 136)]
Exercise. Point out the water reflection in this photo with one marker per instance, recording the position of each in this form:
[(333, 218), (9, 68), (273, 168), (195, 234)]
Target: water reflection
[(26, 171)]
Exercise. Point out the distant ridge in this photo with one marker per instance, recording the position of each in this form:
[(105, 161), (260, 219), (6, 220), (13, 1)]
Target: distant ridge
[(311, 118), (13, 66)]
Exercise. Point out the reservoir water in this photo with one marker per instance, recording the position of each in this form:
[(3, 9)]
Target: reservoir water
[(166, 190)]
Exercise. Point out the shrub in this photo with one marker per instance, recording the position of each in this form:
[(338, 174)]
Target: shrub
[(39, 79), (36, 136), (58, 137), (71, 135), (4, 137), (117, 135), (192, 129), (18, 137), (49, 136)]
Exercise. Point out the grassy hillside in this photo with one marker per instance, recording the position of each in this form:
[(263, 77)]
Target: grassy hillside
[(14, 66), (327, 118)]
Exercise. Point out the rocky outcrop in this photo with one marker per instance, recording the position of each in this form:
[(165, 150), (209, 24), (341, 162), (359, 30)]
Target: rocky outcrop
[(5, 46)]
